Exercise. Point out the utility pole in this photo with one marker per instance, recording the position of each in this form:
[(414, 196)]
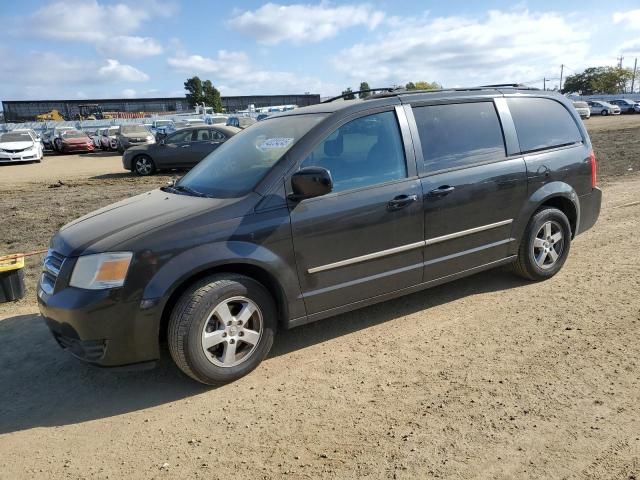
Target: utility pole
[(633, 79), (544, 83), (620, 58), (561, 72)]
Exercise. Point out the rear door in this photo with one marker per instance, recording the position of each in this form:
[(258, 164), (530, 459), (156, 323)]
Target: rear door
[(365, 238), (474, 184)]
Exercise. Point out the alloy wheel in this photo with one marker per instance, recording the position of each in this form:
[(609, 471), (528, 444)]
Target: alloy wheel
[(232, 331), (548, 245)]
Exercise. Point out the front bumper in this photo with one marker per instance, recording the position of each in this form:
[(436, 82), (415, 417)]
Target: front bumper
[(24, 156), (589, 209), (68, 148), (100, 326)]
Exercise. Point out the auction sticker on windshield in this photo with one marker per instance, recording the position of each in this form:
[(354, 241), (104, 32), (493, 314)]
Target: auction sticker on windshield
[(275, 143)]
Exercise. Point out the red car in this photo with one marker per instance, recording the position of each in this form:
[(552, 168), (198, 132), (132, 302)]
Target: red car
[(76, 141)]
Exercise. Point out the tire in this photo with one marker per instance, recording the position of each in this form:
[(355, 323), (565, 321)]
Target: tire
[(143, 165), (533, 245), (195, 315), (604, 113)]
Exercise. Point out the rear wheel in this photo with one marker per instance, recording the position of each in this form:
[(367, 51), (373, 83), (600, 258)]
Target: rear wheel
[(545, 245), (143, 165), (222, 328)]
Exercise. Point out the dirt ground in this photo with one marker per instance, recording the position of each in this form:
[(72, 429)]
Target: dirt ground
[(486, 377)]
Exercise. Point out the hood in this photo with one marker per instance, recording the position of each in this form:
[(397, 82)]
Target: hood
[(16, 145), (105, 229)]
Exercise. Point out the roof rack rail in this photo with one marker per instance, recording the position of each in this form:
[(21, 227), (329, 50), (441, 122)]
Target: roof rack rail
[(369, 90), (521, 86)]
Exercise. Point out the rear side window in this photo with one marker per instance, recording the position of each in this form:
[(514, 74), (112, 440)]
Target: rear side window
[(457, 135), (542, 123)]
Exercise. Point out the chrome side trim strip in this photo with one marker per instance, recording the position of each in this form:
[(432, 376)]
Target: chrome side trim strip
[(364, 258), (463, 233), (410, 246)]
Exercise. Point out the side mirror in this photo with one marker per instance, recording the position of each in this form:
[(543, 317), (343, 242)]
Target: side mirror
[(310, 182)]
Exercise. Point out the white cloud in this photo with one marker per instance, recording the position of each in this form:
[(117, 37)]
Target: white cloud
[(129, 47), (630, 19), (84, 20), (273, 23), (116, 71), (128, 93), (512, 46), (234, 74), (49, 75)]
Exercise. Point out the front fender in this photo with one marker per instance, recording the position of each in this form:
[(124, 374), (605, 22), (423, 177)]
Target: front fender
[(205, 257), (543, 194)]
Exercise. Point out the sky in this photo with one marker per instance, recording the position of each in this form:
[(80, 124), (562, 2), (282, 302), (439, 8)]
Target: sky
[(147, 48)]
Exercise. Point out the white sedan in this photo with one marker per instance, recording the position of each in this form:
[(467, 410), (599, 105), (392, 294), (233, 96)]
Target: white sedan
[(19, 146)]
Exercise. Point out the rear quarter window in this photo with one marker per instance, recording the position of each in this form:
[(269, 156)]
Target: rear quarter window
[(542, 123)]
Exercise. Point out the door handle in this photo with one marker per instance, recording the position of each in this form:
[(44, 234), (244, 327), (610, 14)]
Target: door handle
[(401, 201), (185, 146), (441, 191)]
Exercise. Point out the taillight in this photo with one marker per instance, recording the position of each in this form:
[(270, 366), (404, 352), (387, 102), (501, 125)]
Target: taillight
[(594, 169)]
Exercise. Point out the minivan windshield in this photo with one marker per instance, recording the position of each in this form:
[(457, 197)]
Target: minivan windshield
[(236, 167)]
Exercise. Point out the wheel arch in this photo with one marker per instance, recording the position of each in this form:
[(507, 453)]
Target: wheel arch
[(558, 195), (255, 272)]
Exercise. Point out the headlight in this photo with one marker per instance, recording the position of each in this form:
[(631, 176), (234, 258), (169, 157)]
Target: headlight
[(100, 271), (150, 138)]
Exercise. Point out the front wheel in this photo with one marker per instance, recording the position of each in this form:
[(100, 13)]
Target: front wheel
[(222, 328), (143, 165), (604, 113), (545, 245)]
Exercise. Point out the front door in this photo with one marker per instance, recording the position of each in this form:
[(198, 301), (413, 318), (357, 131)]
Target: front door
[(365, 238), (473, 191), (176, 151)]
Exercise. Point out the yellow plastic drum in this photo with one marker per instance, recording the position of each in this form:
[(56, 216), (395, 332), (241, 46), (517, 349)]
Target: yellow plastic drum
[(11, 278)]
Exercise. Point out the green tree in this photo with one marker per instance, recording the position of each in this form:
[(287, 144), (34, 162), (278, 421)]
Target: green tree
[(211, 96), (596, 80), (364, 86), (194, 95), (348, 94), (410, 86), (422, 85)]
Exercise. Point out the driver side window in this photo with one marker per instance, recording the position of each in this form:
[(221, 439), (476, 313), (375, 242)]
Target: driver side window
[(366, 151)]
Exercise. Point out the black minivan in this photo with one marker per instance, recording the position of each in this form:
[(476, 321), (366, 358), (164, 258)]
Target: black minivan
[(318, 211)]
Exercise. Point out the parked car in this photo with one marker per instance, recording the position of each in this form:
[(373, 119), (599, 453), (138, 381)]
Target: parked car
[(319, 211), (19, 146), (189, 122), (215, 119), (583, 109), (162, 128), (182, 149), (240, 122), (109, 138), (54, 139), (599, 107), (133, 135), (262, 116), (72, 141), (97, 138), (626, 105)]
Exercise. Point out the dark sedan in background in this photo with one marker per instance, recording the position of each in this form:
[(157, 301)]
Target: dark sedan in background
[(183, 148)]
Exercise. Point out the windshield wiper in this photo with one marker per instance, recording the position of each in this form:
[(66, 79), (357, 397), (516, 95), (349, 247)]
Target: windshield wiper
[(189, 191)]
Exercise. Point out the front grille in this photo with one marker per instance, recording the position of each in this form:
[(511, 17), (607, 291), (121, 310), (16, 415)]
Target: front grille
[(16, 151), (50, 270)]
